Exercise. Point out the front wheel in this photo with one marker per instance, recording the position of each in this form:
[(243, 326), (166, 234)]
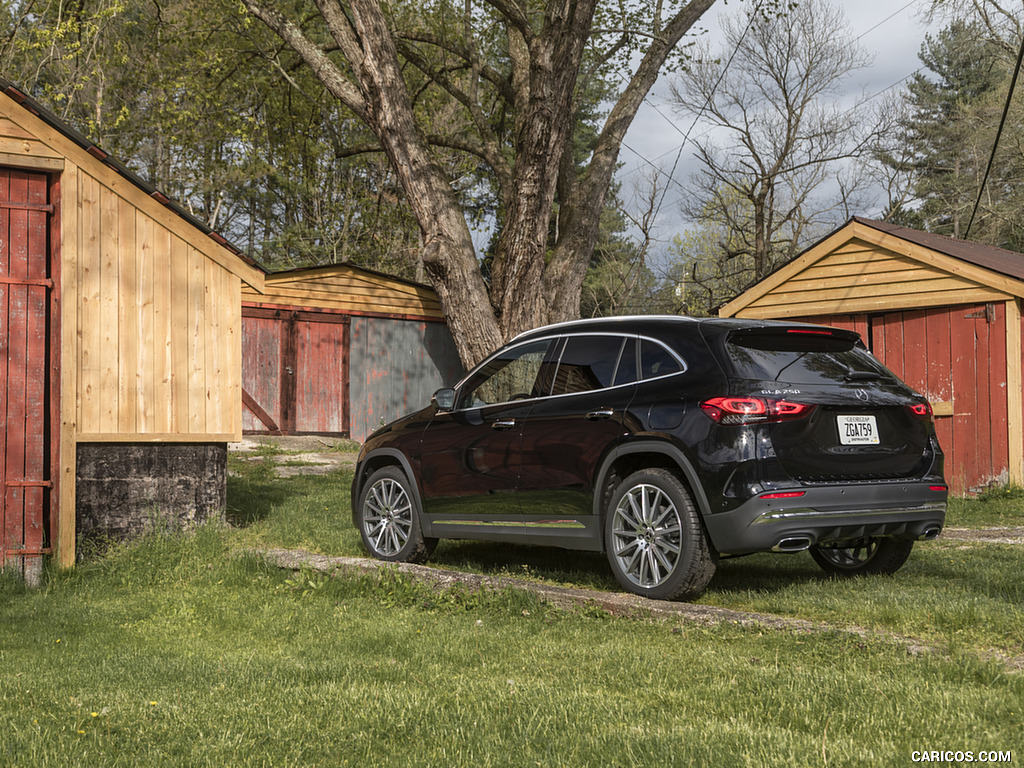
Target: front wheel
[(873, 555), (654, 539), (389, 521)]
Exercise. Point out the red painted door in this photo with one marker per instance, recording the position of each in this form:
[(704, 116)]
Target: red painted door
[(294, 371), (25, 294)]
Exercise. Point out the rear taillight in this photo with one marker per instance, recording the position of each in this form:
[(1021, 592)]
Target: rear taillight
[(921, 411), (752, 410)]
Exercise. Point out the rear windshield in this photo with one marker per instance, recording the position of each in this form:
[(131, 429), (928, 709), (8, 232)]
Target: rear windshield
[(802, 358)]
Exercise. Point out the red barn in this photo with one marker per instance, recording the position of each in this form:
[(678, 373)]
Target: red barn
[(943, 314)]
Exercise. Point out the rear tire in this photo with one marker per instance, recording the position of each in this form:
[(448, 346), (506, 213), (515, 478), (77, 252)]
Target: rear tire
[(870, 556), (654, 539), (389, 519)]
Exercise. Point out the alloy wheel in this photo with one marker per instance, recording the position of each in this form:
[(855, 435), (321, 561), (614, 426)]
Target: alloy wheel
[(646, 535), (387, 517)]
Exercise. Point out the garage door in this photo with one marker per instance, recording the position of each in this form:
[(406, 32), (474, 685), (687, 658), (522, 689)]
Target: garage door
[(25, 294)]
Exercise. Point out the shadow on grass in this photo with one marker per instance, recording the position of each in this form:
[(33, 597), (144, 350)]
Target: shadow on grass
[(588, 570), (763, 574), (253, 496)]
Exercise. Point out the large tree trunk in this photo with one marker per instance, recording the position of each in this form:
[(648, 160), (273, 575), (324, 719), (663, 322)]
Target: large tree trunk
[(545, 68), (381, 100), (532, 282), (584, 200)]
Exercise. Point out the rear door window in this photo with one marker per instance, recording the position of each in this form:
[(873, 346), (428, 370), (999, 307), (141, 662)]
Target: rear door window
[(802, 357), (587, 363)]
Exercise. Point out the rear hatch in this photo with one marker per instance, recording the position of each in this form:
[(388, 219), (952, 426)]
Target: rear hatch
[(864, 423)]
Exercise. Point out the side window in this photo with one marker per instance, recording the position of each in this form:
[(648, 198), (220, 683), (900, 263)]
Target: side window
[(587, 362), (510, 376), (656, 361)]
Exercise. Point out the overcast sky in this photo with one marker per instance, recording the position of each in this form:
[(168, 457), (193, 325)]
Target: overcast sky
[(890, 31)]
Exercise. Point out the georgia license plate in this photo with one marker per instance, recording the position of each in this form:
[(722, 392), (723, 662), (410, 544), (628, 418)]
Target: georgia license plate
[(857, 430)]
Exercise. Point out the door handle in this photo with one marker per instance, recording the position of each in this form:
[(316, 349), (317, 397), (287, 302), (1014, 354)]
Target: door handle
[(503, 424), (600, 413)]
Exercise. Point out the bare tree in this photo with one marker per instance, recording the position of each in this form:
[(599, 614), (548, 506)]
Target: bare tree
[(777, 161), (516, 71)]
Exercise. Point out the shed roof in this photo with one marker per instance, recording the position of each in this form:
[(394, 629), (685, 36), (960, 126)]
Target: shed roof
[(350, 289), (999, 260), (97, 154), (872, 266)]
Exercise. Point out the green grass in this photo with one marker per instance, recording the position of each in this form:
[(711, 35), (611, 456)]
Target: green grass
[(1001, 506), (178, 651), (183, 650), (962, 597)]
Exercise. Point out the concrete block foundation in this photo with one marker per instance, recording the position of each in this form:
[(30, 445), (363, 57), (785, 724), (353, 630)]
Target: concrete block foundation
[(126, 489)]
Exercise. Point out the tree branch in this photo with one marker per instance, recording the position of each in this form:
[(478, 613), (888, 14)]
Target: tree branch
[(325, 69)]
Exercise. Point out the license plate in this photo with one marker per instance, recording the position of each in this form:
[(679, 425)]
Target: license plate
[(857, 430)]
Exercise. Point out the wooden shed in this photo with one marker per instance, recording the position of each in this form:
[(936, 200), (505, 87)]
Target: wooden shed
[(943, 314), (120, 322), (340, 350)]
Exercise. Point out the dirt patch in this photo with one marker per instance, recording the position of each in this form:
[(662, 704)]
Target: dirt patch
[(298, 454), (1009, 535)]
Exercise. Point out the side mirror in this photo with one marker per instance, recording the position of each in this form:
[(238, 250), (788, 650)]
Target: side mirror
[(444, 399)]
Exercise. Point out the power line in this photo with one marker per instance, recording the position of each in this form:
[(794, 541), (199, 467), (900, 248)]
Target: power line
[(686, 135), (707, 101), (999, 133)]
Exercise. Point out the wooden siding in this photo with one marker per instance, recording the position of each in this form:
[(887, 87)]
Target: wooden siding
[(1015, 389), (21, 149), (26, 410), (348, 289), (159, 342), (147, 330), (396, 366), (860, 277)]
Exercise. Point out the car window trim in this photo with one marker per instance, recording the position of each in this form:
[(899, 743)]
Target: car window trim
[(562, 337)]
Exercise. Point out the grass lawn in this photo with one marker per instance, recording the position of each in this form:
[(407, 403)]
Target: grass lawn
[(956, 594), (182, 651), (177, 652)]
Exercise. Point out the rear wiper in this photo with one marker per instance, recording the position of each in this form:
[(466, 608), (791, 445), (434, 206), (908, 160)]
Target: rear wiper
[(862, 376)]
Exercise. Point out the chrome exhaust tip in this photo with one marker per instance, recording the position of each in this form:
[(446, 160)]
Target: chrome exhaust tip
[(792, 544), (930, 533)]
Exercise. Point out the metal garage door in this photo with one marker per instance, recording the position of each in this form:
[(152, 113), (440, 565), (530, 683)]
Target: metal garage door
[(25, 294)]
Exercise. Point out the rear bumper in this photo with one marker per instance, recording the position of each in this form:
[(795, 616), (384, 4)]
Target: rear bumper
[(829, 514)]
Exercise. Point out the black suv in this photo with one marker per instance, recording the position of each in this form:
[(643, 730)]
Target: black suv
[(664, 442)]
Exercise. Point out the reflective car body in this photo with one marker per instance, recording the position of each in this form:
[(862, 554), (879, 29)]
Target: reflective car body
[(781, 436)]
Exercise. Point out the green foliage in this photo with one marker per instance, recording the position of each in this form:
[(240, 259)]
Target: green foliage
[(709, 262), (189, 97), (1000, 493), (999, 506), (953, 110), (618, 280)]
